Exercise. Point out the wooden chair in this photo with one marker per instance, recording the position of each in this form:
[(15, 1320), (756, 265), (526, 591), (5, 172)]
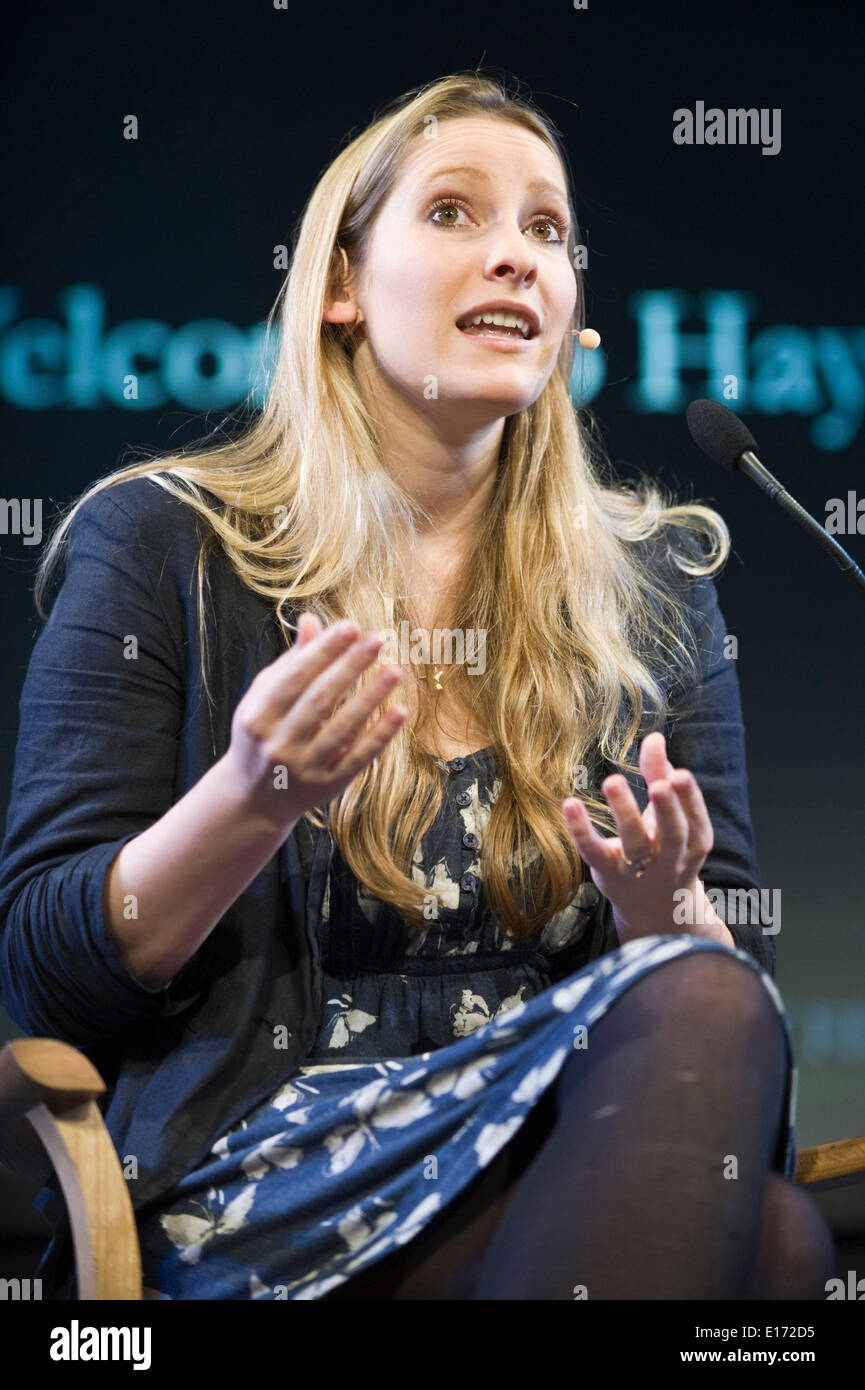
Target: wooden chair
[(55, 1088), (52, 1088)]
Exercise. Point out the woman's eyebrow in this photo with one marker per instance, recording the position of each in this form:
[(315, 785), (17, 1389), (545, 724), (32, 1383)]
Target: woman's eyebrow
[(536, 185)]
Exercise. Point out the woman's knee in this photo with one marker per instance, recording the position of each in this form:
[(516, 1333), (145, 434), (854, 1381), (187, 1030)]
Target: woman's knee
[(713, 992), (707, 1007), (704, 992)]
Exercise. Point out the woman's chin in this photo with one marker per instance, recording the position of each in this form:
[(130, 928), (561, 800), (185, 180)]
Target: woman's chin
[(488, 397)]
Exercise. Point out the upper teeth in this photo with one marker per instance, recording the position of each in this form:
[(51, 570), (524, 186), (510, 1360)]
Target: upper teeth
[(502, 320)]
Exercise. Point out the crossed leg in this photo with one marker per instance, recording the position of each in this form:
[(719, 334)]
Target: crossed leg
[(644, 1172), (796, 1255)]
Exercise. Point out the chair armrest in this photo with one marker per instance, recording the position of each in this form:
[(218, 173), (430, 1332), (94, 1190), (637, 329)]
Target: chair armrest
[(832, 1165), (32, 1070), (54, 1088)]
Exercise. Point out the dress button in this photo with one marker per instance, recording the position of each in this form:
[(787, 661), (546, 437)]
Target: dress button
[(463, 799), (457, 764), (470, 841), (467, 883)]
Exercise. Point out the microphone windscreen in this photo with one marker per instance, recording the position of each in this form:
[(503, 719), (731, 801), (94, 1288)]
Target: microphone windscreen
[(718, 432)]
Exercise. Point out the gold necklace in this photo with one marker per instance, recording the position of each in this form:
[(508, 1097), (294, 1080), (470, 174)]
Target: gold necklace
[(436, 674), (435, 677)]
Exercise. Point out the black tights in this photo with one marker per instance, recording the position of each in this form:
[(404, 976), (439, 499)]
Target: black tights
[(645, 1170)]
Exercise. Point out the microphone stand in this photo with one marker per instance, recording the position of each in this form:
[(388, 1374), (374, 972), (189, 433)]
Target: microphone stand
[(751, 465)]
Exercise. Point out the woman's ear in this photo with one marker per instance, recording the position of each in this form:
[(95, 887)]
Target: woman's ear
[(339, 305)]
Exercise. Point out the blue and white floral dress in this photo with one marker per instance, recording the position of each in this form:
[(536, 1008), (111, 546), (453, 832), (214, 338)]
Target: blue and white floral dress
[(433, 1048)]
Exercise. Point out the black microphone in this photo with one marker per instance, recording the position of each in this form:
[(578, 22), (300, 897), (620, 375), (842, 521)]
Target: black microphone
[(727, 441)]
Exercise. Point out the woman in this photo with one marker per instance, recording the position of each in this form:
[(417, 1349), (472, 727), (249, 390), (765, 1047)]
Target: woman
[(382, 1011)]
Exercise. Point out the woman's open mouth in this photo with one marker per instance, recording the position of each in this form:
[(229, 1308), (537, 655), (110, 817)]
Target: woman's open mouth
[(501, 327), (501, 337)]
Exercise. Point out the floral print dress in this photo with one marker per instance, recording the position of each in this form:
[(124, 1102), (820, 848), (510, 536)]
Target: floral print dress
[(433, 1048)]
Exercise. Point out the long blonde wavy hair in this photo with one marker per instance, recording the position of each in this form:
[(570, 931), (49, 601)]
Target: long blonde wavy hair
[(580, 626)]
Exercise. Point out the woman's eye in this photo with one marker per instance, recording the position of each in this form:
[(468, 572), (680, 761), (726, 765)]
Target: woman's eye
[(549, 220), (445, 205), (558, 226)]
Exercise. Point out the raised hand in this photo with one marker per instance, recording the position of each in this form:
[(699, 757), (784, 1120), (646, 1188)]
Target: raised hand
[(297, 738), (655, 853)]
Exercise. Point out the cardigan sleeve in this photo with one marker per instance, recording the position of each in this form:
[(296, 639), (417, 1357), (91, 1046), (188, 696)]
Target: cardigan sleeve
[(706, 734), (101, 711)]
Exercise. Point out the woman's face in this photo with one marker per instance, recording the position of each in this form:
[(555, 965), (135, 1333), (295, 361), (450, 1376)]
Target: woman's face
[(479, 214)]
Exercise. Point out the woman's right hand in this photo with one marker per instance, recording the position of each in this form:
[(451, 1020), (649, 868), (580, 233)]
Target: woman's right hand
[(291, 748)]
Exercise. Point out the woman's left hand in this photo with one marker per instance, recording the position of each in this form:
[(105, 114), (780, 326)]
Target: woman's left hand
[(674, 832)]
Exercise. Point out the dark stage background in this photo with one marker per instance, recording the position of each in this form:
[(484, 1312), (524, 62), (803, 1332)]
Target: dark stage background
[(756, 257)]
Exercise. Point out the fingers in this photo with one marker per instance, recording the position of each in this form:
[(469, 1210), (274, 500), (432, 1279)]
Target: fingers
[(674, 827), (672, 835), (355, 759), (308, 626), (637, 841), (281, 683), (667, 840), (317, 702), (656, 767), (701, 835), (593, 848), (306, 683), (337, 735), (654, 763)]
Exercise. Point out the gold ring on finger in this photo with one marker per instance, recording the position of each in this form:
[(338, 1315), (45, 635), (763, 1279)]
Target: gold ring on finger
[(639, 866)]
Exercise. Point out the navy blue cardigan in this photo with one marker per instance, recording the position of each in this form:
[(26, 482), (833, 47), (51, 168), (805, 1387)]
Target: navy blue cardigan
[(107, 744)]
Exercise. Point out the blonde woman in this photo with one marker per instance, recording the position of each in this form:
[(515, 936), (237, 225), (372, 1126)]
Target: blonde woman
[(406, 975)]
